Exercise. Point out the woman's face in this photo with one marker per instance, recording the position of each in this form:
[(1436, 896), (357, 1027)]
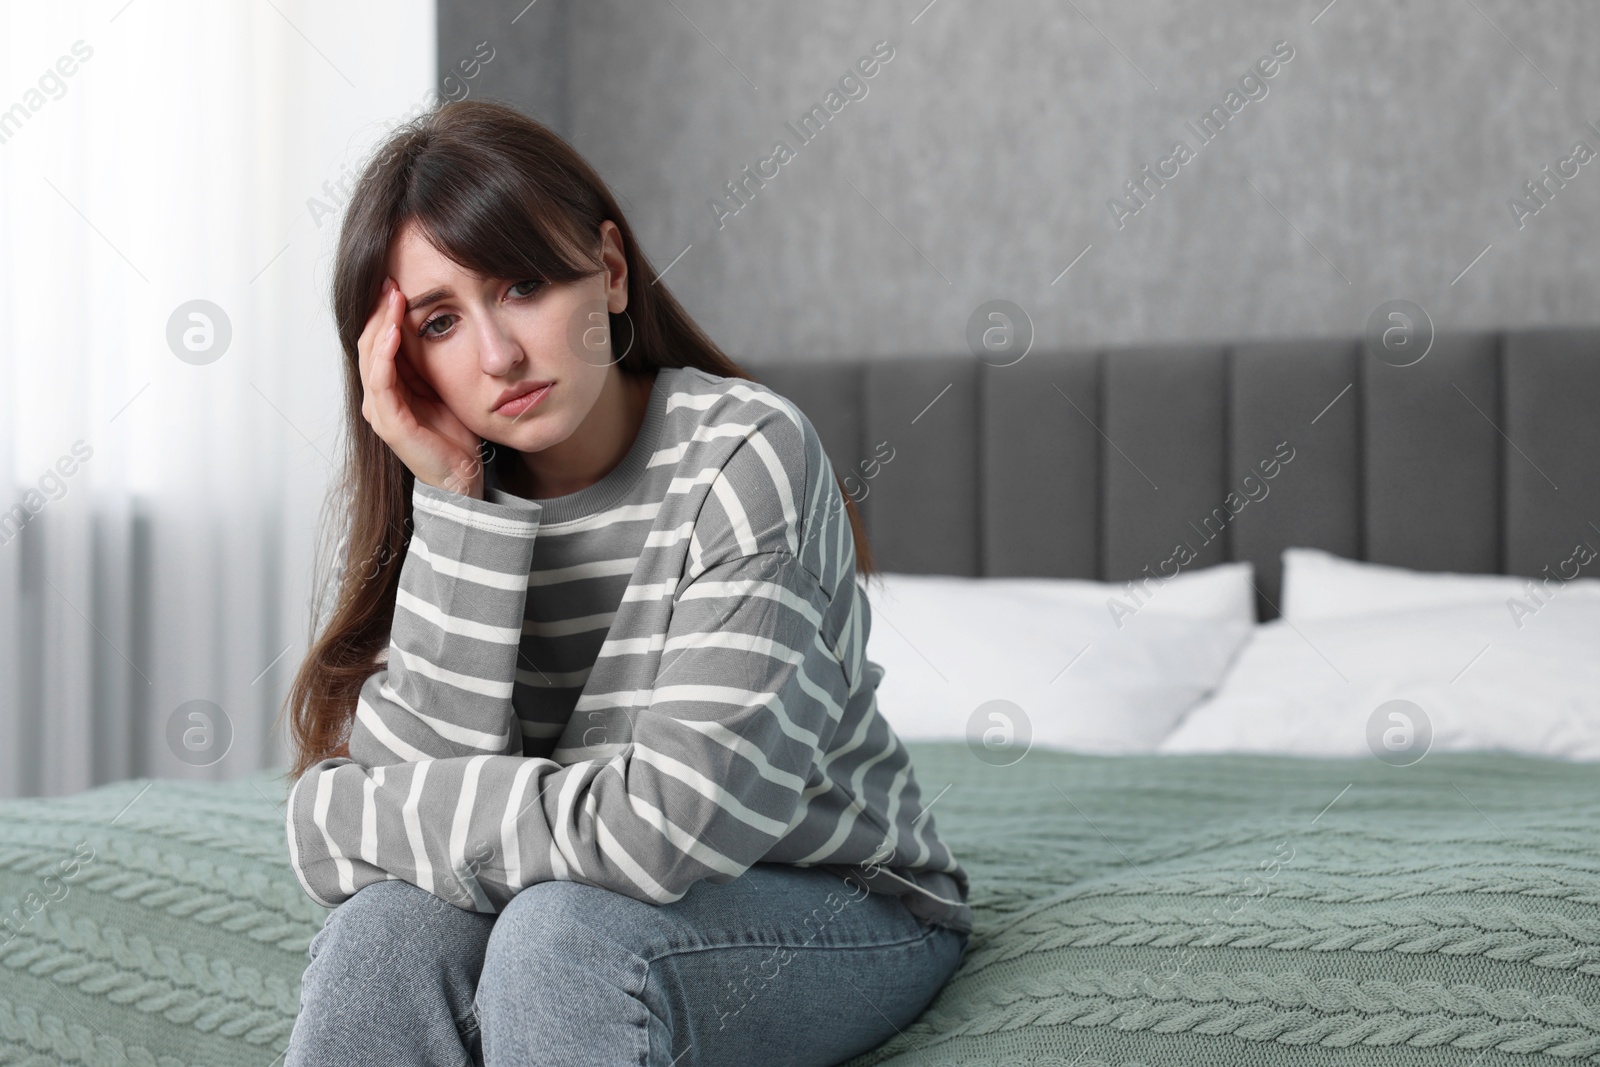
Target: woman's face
[(474, 338)]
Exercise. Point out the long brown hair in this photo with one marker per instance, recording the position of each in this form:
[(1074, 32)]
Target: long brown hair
[(506, 197)]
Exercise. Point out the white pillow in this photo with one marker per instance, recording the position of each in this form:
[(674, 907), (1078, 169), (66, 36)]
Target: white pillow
[(1478, 678), (1320, 585), (1093, 666)]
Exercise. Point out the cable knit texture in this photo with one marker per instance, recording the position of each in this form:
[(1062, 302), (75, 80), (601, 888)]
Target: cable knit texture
[(1206, 911), (1185, 911)]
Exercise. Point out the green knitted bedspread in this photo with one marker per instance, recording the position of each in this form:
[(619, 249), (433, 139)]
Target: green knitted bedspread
[(1166, 911)]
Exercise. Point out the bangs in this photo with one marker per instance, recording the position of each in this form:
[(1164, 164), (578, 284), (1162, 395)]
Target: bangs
[(489, 216)]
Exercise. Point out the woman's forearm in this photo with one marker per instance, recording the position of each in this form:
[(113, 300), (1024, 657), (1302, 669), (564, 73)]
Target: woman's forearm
[(456, 634)]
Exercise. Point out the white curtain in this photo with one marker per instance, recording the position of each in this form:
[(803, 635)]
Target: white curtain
[(161, 492)]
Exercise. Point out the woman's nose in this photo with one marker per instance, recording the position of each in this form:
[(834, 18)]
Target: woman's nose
[(499, 349)]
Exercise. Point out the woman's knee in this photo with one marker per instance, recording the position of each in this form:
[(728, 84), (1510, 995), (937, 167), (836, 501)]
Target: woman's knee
[(394, 923), (555, 921), (391, 980), (562, 977)]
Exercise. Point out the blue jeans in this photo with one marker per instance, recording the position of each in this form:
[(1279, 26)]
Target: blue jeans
[(783, 965)]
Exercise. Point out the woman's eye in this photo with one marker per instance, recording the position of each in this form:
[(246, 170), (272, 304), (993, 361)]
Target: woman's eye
[(427, 329), (444, 321)]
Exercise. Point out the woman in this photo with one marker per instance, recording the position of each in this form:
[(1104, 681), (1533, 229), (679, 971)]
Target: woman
[(587, 760)]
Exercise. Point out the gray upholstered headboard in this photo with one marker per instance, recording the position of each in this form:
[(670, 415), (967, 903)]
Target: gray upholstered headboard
[(1482, 457)]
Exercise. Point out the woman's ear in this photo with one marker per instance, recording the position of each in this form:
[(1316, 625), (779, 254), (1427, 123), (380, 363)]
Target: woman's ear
[(615, 258)]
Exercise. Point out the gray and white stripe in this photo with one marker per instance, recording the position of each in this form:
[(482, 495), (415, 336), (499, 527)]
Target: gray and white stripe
[(667, 685)]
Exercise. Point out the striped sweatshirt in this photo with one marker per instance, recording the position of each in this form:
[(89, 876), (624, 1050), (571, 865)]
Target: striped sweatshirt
[(658, 679)]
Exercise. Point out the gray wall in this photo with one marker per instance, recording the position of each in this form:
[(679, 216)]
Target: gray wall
[(980, 162)]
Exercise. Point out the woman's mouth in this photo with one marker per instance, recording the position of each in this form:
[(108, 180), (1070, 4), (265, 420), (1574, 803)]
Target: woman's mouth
[(518, 405)]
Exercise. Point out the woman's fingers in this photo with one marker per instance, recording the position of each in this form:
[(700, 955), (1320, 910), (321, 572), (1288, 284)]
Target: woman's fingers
[(428, 408), (388, 390), (414, 379), (377, 322), (403, 408), (380, 378), (430, 411)]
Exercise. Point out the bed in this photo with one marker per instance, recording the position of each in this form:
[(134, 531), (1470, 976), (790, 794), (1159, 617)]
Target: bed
[(1139, 897)]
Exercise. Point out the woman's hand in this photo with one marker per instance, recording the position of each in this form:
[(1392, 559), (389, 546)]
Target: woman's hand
[(405, 411)]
